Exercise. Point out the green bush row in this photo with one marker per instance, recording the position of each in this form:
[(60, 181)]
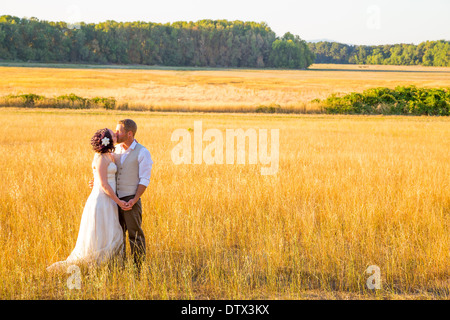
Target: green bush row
[(408, 100), (64, 101)]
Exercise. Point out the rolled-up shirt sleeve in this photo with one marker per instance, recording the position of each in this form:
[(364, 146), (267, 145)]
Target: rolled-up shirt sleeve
[(145, 166)]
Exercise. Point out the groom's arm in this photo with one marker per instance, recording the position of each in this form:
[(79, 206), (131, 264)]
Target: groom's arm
[(145, 168), (140, 190)]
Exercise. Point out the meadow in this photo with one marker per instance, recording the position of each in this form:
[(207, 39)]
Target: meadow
[(350, 192), (211, 90)]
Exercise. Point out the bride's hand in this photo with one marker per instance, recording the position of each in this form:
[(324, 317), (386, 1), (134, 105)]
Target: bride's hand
[(131, 203), (124, 205), (91, 183)]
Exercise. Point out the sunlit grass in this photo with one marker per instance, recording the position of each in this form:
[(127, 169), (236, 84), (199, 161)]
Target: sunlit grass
[(351, 191), (206, 89)]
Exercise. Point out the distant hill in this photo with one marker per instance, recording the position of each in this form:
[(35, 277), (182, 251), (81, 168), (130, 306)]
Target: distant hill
[(320, 40), (329, 40)]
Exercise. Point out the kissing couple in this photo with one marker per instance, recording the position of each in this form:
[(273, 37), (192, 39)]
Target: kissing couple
[(121, 169)]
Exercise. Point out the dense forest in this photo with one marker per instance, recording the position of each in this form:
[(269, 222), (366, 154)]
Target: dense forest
[(209, 43), (205, 43), (429, 53)]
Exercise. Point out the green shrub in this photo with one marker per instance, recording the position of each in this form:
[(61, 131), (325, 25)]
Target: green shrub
[(107, 103), (73, 101), (28, 99), (401, 100)]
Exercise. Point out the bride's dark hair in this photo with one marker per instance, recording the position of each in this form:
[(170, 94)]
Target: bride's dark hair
[(97, 141)]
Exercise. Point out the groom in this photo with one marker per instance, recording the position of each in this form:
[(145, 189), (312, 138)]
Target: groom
[(133, 177)]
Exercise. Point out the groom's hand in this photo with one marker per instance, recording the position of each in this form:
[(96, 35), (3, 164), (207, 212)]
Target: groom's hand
[(124, 205), (131, 203)]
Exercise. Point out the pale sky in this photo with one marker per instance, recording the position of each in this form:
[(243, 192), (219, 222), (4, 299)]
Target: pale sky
[(368, 22)]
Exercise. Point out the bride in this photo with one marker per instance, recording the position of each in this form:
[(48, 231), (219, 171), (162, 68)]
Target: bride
[(100, 237)]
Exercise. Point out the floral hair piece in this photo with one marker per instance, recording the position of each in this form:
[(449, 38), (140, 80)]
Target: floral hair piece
[(105, 141)]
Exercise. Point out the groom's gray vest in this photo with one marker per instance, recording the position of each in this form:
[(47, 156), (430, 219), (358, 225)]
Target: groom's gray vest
[(128, 174)]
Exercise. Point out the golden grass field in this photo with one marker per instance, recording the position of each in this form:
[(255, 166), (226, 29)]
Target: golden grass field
[(350, 192), (222, 90)]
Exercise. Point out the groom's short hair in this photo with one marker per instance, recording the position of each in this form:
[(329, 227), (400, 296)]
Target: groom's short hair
[(129, 125)]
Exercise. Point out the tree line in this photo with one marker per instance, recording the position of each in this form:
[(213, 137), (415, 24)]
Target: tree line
[(429, 53), (205, 43)]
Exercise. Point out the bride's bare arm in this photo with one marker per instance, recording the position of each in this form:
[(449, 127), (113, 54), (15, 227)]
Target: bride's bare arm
[(101, 166)]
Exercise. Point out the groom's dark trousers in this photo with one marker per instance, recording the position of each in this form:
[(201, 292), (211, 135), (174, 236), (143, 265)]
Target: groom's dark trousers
[(131, 221)]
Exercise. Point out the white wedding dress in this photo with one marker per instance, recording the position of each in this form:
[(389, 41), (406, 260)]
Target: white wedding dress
[(100, 237)]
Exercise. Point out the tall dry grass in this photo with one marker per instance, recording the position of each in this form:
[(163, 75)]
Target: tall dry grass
[(351, 191), (221, 90)]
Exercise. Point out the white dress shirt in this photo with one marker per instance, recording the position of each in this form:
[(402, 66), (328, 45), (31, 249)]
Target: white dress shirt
[(144, 159)]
